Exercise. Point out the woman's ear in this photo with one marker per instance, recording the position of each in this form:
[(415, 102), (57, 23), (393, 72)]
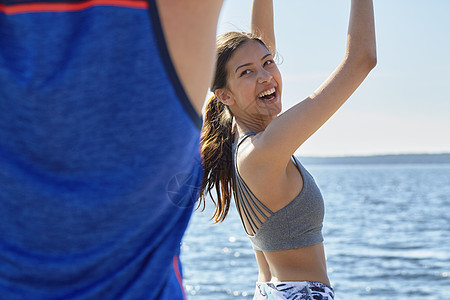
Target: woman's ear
[(224, 96)]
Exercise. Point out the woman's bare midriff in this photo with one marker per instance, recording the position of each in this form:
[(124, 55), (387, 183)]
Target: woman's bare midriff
[(300, 264)]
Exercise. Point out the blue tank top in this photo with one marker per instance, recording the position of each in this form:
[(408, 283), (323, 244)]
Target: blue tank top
[(99, 160)]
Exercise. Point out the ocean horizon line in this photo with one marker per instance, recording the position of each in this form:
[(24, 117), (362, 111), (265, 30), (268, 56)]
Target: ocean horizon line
[(406, 158)]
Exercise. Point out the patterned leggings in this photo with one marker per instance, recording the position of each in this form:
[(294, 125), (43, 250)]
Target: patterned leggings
[(293, 290)]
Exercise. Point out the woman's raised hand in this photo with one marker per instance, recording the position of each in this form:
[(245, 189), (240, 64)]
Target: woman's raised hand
[(262, 22)]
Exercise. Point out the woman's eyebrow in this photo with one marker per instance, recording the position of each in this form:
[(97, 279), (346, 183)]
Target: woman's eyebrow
[(268, 54), (248, 64), (244, 65)]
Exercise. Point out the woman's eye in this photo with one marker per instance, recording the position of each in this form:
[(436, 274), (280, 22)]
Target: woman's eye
[(269, 62), (245, 72)]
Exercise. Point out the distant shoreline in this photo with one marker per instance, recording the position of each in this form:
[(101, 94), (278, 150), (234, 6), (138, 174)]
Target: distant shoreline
[(443, 158)]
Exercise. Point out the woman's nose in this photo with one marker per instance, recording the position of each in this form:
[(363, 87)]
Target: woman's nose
[(264, 76)]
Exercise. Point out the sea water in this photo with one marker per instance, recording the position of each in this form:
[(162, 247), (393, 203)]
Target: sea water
[(386, 230)]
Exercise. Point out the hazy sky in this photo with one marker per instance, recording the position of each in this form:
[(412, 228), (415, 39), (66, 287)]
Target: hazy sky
[(404, 104)]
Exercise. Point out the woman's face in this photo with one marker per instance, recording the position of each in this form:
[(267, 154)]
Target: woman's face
[(254, 84)]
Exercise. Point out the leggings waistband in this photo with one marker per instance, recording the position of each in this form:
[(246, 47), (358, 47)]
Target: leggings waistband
[(306, 290)]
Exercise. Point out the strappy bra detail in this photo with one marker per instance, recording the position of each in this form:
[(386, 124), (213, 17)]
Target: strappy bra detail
[(248, 204), (298, 224)]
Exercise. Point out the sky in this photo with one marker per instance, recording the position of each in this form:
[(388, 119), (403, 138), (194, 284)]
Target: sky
[(402, 107)]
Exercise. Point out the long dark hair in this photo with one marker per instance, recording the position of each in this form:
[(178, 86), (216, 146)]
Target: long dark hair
[(216, 135)]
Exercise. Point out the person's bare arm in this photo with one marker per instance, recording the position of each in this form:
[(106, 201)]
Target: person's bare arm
[(262, 22), (291, 129), (190, 31)]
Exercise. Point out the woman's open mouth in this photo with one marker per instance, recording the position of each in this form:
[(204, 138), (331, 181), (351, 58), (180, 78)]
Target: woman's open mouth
[(268, 96)]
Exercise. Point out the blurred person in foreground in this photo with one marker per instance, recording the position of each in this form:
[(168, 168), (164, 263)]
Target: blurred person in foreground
[(99, 132)]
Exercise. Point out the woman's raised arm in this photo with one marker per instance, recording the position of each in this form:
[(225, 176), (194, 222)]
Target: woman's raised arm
[(262, 22), (290, 130)]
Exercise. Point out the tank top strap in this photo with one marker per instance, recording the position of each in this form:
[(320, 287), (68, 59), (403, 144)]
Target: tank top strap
[(244, 137)]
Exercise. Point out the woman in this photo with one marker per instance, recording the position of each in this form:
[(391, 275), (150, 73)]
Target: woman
[(247, 150)]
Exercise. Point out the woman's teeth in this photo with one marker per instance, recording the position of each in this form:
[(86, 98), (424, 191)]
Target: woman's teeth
[(265, 93)]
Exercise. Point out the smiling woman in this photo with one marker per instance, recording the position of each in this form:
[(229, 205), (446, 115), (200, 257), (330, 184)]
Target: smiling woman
[(279, 203)]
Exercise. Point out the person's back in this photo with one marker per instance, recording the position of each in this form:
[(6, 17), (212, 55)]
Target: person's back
[(99, 163)]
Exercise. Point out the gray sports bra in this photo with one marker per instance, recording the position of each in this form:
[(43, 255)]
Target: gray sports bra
[(298, 224)]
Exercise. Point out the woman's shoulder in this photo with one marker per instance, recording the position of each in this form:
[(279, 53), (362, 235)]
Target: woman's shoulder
[(252, 149), (253, 162)]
